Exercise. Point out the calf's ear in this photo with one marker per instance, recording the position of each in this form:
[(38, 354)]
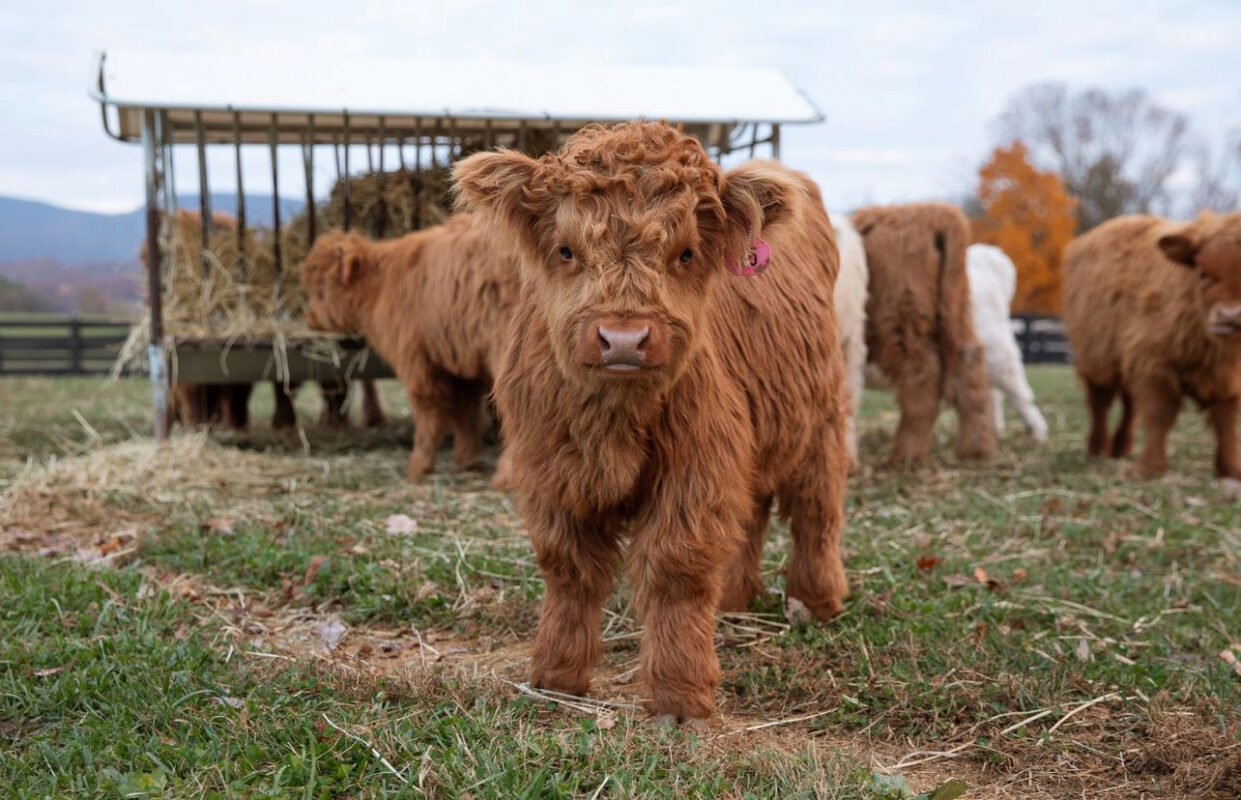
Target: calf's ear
[(349, 259), (499, 186), (755, 195), (1180, 248)]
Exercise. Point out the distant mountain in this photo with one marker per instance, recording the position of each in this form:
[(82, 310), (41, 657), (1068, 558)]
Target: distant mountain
[(31, 230)]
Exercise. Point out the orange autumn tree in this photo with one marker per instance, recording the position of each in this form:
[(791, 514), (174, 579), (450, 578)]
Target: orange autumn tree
[(1030, 216)]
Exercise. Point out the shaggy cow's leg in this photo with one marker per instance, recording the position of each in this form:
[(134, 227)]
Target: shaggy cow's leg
[(335, 409), (677, 587), (1010, 382), (1223, 418), (235, 399), (285, 415), (816, 513), (744, 581), (1159, 406), (917, 393), (372, 409), (1122, 441), (579, 569), (502, 479), (1099, 398), (975, 429), (468, 420), (997, 410)]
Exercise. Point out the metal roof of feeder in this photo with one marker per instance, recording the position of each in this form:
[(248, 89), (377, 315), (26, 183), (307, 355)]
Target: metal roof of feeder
[(331, 95)]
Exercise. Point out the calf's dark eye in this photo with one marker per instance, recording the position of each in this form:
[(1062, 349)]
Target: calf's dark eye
[(687, 256), (565, 253)]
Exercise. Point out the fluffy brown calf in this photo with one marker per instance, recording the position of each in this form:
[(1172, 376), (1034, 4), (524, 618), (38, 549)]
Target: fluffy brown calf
[(650, 395), (1152, 310), (918, 326), (436, 305)]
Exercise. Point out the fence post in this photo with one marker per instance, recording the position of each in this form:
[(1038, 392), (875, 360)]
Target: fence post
[(75, 345), (1027, 340)]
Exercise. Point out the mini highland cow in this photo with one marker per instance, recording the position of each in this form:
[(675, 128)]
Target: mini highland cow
[(918, 327), (436, 306), (650, 395), (1152, 310), (850, 297)]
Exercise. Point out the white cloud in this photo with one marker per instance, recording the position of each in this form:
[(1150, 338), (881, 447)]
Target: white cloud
[(908, 87)]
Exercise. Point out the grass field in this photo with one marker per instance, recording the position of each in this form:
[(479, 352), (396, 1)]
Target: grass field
[(283, 616)]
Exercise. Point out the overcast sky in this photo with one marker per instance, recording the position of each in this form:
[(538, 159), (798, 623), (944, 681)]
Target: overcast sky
[(909, 88)]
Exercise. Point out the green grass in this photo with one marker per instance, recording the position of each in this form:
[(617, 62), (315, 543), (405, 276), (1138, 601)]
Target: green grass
[(1041, 588), (109, 689)]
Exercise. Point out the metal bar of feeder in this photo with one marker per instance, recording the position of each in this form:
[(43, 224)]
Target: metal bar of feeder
[(753, 139), (489, 141), (400, 151), (170, 178), (308, 164), (521, 136), (155, 349), (775, 141), (241, 199), (348, 204), (418, 144), (165, 156), (370, 159), (273, 140), (204, 197), (381, 144)]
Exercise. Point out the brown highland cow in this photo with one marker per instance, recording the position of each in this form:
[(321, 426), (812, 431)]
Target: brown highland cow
[(918, 326), (1152, 310), (649, 395), (436, 306)]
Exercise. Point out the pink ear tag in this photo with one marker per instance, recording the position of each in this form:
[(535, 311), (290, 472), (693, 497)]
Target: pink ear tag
[(754, 263)]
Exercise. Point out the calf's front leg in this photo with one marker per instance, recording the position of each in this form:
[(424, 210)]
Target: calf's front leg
[(678, 561), (1223, 418), (578, 562)]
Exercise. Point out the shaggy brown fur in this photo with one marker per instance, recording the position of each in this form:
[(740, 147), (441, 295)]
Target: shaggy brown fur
[(650, 395), (1153, 313), (918, 326), (436, 305)]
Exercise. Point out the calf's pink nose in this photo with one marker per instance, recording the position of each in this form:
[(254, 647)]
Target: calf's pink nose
[(623, 347)]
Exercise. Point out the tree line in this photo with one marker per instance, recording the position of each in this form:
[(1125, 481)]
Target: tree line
[(1067, 160)]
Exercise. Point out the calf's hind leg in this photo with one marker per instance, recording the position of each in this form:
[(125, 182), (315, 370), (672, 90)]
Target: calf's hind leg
[(967, 390), (1099, 398), (814, 508), (1223, 419), (744, 581), (1122, 441)]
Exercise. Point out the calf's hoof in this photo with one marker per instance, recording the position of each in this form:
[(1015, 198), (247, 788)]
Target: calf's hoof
[(696, 725), (418, 467), (561, 681)]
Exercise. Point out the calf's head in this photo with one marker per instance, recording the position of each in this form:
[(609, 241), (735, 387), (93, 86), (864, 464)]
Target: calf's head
[(330, 276), (622, 235), (1211, 247)]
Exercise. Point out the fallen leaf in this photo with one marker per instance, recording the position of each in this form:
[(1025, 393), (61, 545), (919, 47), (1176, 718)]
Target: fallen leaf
[(231, 702), (111, 546), (366, 650), (331, 632), (43, 673), (1229, 658), (222, 525), (982, 577), (1083, 650), (605, 723), (625, 677), (312, 571), (1019, 575), (928, 563), (957, 581), (401, 525)]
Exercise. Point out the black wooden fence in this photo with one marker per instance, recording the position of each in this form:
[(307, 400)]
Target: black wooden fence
[(51, 344), (1041, 340)]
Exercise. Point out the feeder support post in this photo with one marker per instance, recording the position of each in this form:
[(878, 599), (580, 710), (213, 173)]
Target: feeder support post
[(155, 350)]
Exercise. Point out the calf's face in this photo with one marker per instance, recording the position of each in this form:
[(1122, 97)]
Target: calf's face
[(623, 234), (328, 275), (1211, 247)]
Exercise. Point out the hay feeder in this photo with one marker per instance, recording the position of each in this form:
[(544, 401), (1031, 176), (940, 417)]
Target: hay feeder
[(433, 114)]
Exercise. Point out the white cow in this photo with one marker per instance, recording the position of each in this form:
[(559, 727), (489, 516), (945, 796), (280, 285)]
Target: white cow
[(850, 299), (993, 283)]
